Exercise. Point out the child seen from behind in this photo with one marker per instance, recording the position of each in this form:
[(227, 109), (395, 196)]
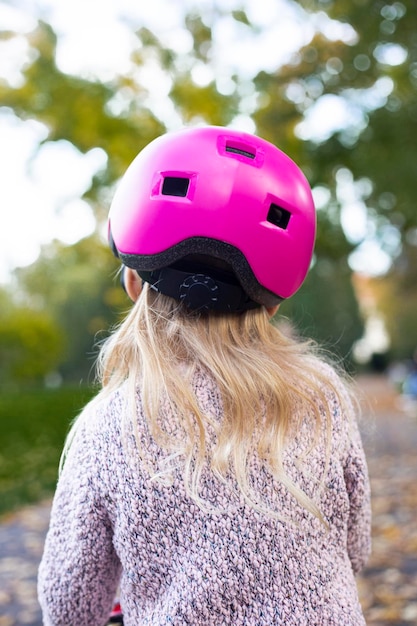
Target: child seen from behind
[(218, 477)]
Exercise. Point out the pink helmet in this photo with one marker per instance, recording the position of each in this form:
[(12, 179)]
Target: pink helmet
[(198, 202)]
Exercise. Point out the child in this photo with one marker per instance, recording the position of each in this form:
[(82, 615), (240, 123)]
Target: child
[(218, 478)]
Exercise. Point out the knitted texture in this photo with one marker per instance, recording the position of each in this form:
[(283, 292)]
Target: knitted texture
[(113, 527)]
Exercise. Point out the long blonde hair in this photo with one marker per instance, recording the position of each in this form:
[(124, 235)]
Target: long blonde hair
[(267, 382)]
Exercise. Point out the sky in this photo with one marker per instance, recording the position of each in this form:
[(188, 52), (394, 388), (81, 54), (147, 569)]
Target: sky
[(40, 190)]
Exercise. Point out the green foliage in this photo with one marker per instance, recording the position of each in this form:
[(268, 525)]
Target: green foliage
[(325, 309), (399, 305), (78, 286), (80, 110), (33, 426), (31, 345), (117, 117), (202, 103), (382, 148)]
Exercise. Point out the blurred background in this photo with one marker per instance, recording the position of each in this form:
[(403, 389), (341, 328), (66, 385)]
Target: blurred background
[(84, 85)]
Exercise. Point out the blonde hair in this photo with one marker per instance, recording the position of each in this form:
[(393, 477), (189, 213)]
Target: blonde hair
[(267, 382)]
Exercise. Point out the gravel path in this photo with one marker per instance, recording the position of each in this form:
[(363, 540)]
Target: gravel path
[(388, 586)]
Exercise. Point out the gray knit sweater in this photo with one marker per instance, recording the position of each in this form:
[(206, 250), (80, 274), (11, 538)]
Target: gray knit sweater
[(113, 527)]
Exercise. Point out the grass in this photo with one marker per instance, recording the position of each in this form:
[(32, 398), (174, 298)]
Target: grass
[(33, 427)]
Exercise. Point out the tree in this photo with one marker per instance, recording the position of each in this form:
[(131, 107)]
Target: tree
[(79, 110), (78, 286), (31, 345), (373, 73), (326, 309), (369, 66), (397, 300)]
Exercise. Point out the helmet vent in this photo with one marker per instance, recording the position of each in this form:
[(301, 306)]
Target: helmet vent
[(245, 152), (278, 216), (175, 186)]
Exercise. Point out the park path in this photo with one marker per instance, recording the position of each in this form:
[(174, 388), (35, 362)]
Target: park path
[(21, 543), (388, 586)]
